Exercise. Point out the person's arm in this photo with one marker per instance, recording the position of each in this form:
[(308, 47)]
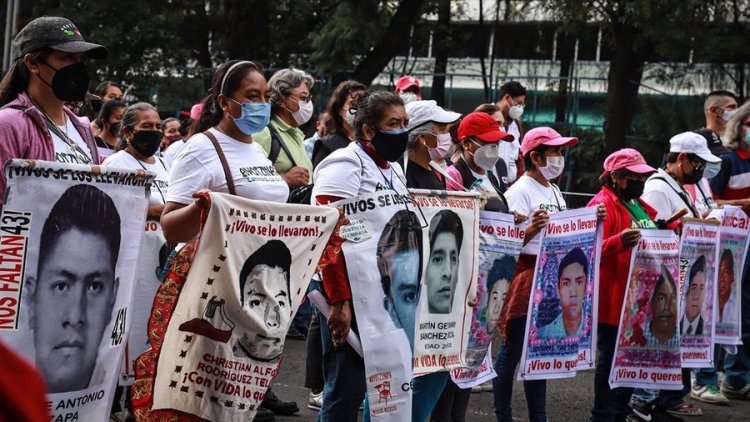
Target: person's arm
[(10, 147), (154, 212), (181, 222)]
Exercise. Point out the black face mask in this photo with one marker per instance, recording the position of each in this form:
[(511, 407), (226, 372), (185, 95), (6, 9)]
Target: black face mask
[(391, 145), (70, 83), (633, 190), (693, 177), (146, 142), (114, 129)]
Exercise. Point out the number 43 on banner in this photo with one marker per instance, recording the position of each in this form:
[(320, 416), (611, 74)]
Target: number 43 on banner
[(118, 330)]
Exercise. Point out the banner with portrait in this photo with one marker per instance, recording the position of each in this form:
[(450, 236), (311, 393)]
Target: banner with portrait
[(384, 256), (560, 330), (699, 255), (733, 244), (500, 242), (153, 250), (448, 280), (69, 241), (647, 353), (250, 273)]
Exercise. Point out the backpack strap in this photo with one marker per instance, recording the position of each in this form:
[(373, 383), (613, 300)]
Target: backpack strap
[(224, 163), (277, 144)]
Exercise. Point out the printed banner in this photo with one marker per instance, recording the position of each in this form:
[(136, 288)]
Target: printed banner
[(560, 335), (69, 237), (733, 244), (699, 254), (647, 354), (153, 249), (250, 273), (451, 243), (500, 242)]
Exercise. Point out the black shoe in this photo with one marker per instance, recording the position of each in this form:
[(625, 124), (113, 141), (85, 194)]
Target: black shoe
[(264, 415), (278, 406), (295, 334)]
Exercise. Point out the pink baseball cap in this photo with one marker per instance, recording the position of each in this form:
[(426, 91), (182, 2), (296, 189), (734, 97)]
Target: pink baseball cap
[(627, 158), (544, 136), (407, 82), (195, 111)]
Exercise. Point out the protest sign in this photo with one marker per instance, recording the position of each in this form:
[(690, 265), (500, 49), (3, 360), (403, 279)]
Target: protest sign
[(733, 244), (384, 256), (224, 341), (451, 242), (699, 254), (647, 353), (560, 335), (69, 240), (500, 242)]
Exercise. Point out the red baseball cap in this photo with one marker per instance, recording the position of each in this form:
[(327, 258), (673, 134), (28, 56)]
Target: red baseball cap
[(545, 136), (407, 82), (627, 158), (483, 127)]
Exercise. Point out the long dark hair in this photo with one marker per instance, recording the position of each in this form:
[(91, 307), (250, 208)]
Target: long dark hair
[(105, 112), (212, 113), (371, 108), (335, 124), (16, 80)]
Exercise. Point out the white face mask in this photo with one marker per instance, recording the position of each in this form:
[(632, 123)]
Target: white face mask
[(443, 146), (408, 97), (711, 170), (728, 115), (349, 116), (304, 113), (553, 168), (515, 112), (486, 156)]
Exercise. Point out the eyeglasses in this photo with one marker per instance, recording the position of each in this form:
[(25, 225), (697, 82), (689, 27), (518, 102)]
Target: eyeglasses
[(307, 99)]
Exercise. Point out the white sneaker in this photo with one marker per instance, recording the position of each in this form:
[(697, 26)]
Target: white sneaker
[(315, 401), (708, 394)]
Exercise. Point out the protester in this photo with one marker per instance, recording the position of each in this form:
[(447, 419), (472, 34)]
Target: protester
[(718, 108), (407, 88), (622, 182), (732, 186), (105, 91), (512, 102), (320, 131), (361, 167), (340, 125), (109, 120), (533, 194), (235, 110), (291, 107), (476, 166), (48, 70), (701, 192), (664, 191), (429, 141), (170, 130)]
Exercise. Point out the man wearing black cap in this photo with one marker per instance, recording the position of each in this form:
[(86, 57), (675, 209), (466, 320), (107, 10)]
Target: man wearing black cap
[(48, 70)]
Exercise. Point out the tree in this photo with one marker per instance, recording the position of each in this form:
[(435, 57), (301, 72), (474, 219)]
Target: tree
[(442, 40)]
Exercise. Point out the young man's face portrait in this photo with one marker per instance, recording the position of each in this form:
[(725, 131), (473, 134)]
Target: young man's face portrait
[(572, 290), (266, 299), (695, 295), (404, 296), (442, 273)]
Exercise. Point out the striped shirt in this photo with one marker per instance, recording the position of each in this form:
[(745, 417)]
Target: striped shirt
[(733, 180)]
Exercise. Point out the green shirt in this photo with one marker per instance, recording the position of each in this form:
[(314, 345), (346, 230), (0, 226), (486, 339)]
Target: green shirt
[(294, 140), (638, 216)]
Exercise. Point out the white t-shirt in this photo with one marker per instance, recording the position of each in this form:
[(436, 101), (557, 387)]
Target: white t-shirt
[(350, 172), (666, 196), (526, 196), (703, 196), (63, 151), (124, 160), (199, 167), (172, 152), (509, 151)]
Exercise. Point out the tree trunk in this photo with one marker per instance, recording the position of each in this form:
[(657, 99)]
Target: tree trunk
[(398, 30), (441, 41), (566, 50), (624, 78)]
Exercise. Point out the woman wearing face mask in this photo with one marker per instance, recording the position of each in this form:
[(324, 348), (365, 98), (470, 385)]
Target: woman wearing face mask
[(291, 107), (429, 142), (362, 167), (532, 194), (109, 119), (407, 88), (49, 70), (340, 125), (475, 167), (624, 177)]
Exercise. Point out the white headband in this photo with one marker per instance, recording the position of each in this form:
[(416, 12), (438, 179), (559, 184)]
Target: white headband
[(224, 80)]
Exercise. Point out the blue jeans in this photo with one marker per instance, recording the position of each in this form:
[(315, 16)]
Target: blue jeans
[(426, 390), (344, 374), (736, 366), (643, 396), (502, 385), (609, 405), (708, 376)]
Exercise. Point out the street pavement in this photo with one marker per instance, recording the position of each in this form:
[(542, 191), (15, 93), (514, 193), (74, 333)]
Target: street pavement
[(567, 400)]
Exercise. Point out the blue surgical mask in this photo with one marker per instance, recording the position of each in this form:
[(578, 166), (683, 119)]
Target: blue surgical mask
[(746, 138), (254, 118)]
